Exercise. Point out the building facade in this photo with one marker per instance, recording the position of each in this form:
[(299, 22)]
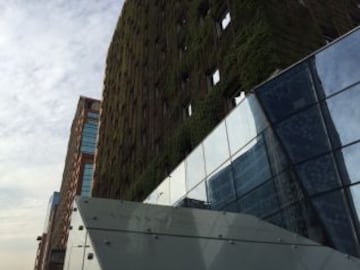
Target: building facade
[(44, 239), (176, 68), (77, 175), (288, 153)]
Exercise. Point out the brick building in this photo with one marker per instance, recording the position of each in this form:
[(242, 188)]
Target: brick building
[(77, 175)]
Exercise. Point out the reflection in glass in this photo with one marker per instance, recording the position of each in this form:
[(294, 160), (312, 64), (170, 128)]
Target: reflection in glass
[(355, 192), (196, 198), (276, 155), (319, 175), (216, 148), (260, 202), (244, 123), (287, 93), (338, 65), (162, 193), (348, 160), (343, 113), (195, 168), (302, 219), (177, 183), (333, 212), (277, 219), (251, 168), (221, 187), (303, 135), (287, 188)]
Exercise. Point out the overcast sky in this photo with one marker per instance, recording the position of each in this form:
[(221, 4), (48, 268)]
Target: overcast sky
[(51, 52)]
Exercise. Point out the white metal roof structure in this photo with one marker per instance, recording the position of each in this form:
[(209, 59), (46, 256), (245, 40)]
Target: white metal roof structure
[(111, 234)]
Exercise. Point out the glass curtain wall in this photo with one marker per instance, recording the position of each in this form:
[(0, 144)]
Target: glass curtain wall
[(288, 153), (88, 140)]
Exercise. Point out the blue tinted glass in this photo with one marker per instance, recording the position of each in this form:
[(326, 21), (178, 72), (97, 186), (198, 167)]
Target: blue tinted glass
[(343, 116), (287, 93), (277, 220), (87, 180), (333, 212), (319, 175), (231, 207), (251, 166), (287, 188), (302, 219), (93, 115), (260, 202), (276, 154), (303, 135), (338, 66), (221, 187), (355, 194), (348, 161)]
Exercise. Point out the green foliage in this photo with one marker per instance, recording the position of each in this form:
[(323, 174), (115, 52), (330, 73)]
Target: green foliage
[(263, 36)]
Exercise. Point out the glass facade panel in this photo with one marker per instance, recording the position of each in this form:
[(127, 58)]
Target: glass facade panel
[(355, 193), (334, 214), (162, 193), (261, 202), (275, 152), (216, 148), (221, 187), (177, 183), (87, 180), (93, 115), (302, 219), (319, 175), (348, 160), (88, 140), (251, 166), (343, 114), (303, 135), (244, 123), (287, 93), (195, 168), (337, 66), (197, 197), (291, 170), (287, 188)]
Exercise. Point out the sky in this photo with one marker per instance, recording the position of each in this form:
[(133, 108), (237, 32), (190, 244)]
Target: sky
[(51, 52)]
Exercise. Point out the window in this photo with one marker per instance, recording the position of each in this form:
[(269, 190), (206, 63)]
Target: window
[(225, 20), (215, 77), (237, 98), (188, 110)]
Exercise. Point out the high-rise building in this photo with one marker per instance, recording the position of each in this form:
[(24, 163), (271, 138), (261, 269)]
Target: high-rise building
[(77, 175), (176, 68), (44, 239)]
